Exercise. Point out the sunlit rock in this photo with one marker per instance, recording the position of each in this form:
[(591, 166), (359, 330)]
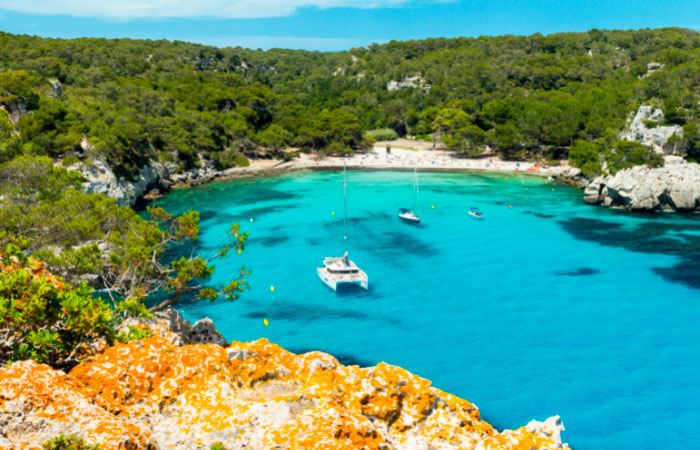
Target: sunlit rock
[(154, 394)]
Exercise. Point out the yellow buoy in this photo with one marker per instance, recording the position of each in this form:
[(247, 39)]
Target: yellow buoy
[(333, 213), (251, 219), (272, 289), (432, 206), (266, 322), (239, 251)]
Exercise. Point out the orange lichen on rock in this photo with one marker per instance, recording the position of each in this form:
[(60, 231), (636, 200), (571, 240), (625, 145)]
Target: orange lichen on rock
[(38, 403), (258, 395)]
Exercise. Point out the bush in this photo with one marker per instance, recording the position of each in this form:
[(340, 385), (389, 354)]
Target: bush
[(43, 319), (626, 154), (382, 134), (68, 442), (69, 161), (586, 156)]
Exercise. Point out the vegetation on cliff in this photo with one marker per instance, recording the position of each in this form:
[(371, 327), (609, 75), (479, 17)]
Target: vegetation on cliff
[(136, 101)]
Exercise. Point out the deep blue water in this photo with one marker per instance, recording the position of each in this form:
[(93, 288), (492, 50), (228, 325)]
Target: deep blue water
[(549, 307)]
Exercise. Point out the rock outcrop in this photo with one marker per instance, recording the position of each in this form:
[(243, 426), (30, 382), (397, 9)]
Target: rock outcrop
[(100, 178), (416, 82), (152, 394), (675, 186), (170, 325), (655, 137)]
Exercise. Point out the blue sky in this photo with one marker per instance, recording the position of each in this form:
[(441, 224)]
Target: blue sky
[(331, 24)]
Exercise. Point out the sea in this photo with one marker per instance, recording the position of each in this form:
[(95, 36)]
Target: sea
[(544, 306)]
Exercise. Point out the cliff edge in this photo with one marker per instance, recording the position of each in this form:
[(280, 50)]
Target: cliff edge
[(156, 394)]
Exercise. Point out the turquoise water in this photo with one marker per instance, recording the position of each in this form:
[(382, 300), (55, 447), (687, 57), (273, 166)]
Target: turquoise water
[(548, 307)]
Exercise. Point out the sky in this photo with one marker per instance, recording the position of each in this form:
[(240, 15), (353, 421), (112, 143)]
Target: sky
[(330, 25)]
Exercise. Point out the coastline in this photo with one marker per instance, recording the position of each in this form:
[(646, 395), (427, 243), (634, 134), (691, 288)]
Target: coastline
[(400, 159)]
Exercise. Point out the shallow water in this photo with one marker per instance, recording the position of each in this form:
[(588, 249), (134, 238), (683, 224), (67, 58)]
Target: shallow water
[(548, 307)]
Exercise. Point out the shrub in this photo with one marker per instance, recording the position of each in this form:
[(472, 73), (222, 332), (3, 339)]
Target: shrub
[(68, 442), (586, 156), (69, 161), (626, 154), (382, 134), (43, 319)]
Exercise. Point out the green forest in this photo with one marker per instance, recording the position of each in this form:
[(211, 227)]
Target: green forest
[(139, 100), (132, 102)]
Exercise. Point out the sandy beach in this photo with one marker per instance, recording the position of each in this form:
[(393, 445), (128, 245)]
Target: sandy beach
[(404, 155)]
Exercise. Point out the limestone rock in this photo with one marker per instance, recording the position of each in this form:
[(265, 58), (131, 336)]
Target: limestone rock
[(572, 176), (56, 88), (674, 186), (152, 394), (100, 178), (178, 331), (656, 137), (408, 83), (16, 109), (38, 403)]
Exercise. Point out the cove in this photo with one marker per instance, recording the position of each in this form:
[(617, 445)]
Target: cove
[(547, 307)]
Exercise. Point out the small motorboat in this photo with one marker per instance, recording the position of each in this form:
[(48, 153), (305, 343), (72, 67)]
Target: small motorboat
[(407, 215), (476, 212)]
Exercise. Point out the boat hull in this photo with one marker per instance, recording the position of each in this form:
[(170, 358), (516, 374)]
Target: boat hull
[(409, 217), (333, 284)]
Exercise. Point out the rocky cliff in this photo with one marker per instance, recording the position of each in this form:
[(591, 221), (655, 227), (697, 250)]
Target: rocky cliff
[(100, 178), (646, 128), (155, 394), (675, 186)]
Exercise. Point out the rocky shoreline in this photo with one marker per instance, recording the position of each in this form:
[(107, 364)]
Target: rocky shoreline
[(673, 187), (186, 388)]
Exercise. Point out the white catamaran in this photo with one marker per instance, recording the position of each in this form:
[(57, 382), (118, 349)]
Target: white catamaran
[(405, 214), (337, 270)]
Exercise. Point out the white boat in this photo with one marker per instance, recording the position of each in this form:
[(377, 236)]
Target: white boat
[(405, 214), (339, 270), (476, 212), (408, 216)]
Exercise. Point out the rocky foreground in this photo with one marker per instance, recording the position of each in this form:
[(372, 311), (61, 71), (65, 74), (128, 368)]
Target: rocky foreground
[(162, 392)]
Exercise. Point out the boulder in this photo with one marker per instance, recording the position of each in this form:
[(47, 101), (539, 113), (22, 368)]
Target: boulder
[(593, 190)]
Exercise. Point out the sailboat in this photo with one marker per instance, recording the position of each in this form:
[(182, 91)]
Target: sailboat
[(405, 214), (337, 270)]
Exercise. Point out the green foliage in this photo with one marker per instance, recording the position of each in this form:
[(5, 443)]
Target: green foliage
[(68, 442), (138, 101), (134, 333), (626, 154), (217, 446), (42, 318), (587, 156), (382, 134)]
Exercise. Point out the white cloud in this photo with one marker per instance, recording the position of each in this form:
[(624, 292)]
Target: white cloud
[(231, 9)]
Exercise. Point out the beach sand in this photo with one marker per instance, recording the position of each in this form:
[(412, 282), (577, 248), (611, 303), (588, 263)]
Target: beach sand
[(405, 155)]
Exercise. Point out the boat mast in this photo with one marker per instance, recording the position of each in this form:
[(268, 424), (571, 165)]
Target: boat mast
[(345, 207), (417, 190)]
